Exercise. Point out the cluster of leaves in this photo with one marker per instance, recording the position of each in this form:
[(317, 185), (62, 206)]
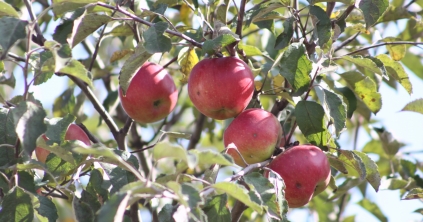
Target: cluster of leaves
[(311, 68)]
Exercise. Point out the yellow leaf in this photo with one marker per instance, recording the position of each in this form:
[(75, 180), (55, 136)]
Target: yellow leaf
[(258, 85), (185, 13), (118, 55), (277, 83), (397, 52), (187, 59)]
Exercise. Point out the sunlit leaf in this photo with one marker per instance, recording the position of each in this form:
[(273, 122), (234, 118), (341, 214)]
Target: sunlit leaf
[(413, 63), (370, 63), (7, 10), (416, 193), (285, 37), (217, 210), (354, 164), (372, 172), (17, 206), (296, 67), (240, 193), (414, 106), (396, 71), (209, 157), (114, 209), (373, 209), (85, 25), (46, 68), (166, 149), (393, 184), (344, 187), (249, 50), (389, 144), (216, 44), (365, 89), (187, 59), (396, 51), (334, 107), (336, 163)]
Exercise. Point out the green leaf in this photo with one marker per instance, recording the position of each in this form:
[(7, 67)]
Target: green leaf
[(47, 208), (370, 63), (82, 211), (209, 157), (373, 10), (131, 66), (397, 52), (296, 67), (166, 149), (372, 173), (56, 129), (267, 193), (240, 193), (45, 70), (7, 10), (374, 146), (64, 29), (166, 214), (188, 196), (412, 62), (285, 37), (216, 44), (344, 187), (354, 164), (11, 81), (154, 40), (365, 89), (11, 30), (394, 184), (26, 181), (396, 71), (59, 167), (7, 128), (350, 98), (336, 163), (416, 193), (249, 50), (216, 209), (17, 206), (396, 12), (77, 69), (389, 144), (420, 211), (114, 209), (65, 103), (29, 124), (373, 208), (414, 106), (310, 116), (322, 25), (85, 25), (347, 2), (335, 107), (187, 59)]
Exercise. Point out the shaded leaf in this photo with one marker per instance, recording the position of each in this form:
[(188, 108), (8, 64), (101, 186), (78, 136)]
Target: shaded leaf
[(56, 129), (335, 107), (373, 10), (216, 44), (365, 89), (393, 184), (26, 181), (166, 149), (131, 66), (416, 193), (370, 63), (344, 187), (45, 70), (414, 106), (353, 163), (11, 81), (372, 173), (154, 40), (389, 144), (166, 214), (28, 118), (351, 100), (47, 209), (82, 211), (413, 63), (322, 25), (118, 55), (310, 116), (336, 163), (240, 193), (397, 72), (11, 30), (373, 208), (65, 103), (285, 37), (296, 67), (7, 128), (216, 209), (17, 206)]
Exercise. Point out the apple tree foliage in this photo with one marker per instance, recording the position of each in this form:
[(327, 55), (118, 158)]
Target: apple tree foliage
[(317, 68)]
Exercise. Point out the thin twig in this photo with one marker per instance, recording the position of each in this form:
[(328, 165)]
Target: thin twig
[(240, 18), (40, 37), (347, 41), (197, 131), (383, 44), (134, 17)]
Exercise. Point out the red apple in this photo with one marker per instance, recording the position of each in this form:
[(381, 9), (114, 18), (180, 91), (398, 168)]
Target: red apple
[(74, 132), (151, 95), (256, 134), (305, 170), (221, 88)]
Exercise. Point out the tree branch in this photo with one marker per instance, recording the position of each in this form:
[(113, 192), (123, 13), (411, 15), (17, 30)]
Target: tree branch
[(134, 17), (383, 44), (40, 37), (197, 131), (329, 8), (237, 211), (347, 41)]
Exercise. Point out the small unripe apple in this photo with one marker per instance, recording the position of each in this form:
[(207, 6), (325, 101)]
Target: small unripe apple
[(221, 88), (256, 133), (151, 95), (305, 170), (74, 132)]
